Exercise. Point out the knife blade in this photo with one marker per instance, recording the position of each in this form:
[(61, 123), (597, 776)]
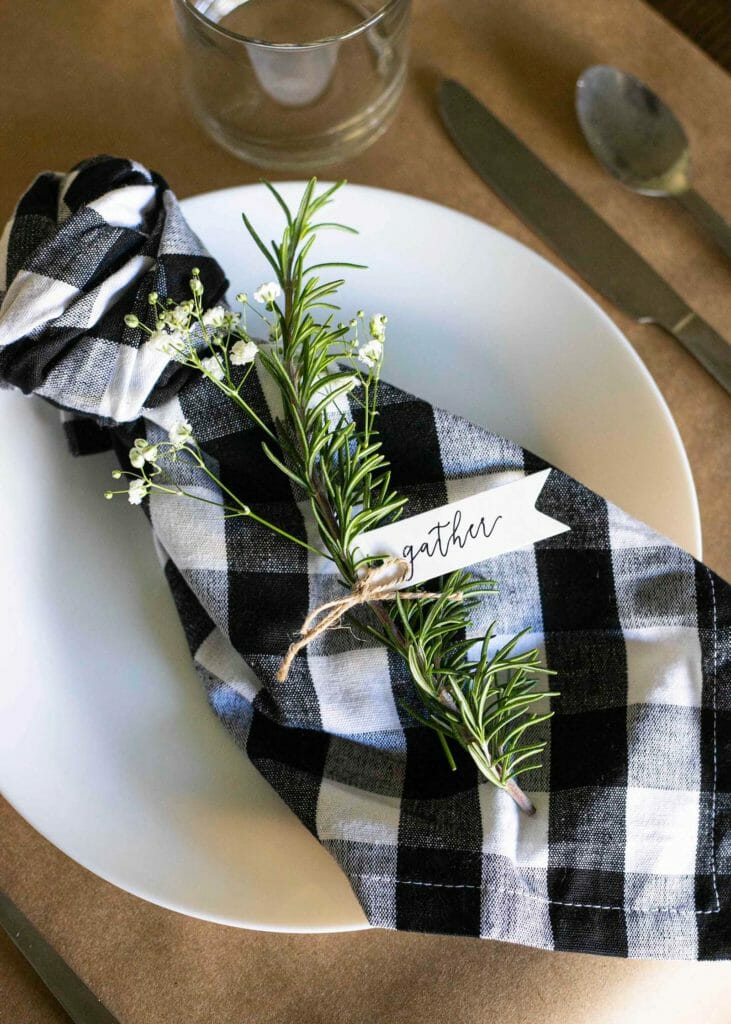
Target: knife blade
[(78, 1001), (577, 233)]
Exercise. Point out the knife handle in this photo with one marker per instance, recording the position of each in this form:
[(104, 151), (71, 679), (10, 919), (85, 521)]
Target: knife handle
[(79, 1002), (709, 348)]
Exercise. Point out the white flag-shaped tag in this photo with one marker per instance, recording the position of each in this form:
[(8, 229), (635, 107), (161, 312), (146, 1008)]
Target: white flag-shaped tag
[(466, 531)]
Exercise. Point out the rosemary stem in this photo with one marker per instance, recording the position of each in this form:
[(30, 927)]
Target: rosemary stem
[(513, 789), (473, 703), (479, 702)]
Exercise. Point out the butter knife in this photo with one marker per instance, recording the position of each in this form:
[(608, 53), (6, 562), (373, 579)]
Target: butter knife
[(78, 1001), (578, 234)]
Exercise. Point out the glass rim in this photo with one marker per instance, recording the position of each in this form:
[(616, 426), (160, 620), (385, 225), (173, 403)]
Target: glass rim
[(362, 26)]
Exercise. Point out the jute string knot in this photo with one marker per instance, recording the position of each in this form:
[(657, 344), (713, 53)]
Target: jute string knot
[(378, 583)]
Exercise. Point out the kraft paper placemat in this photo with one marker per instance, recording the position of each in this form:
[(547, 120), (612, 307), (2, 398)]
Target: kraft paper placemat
[(103, 78)]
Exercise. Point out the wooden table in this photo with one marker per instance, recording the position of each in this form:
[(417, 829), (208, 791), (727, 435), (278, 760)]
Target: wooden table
[(85, 77)]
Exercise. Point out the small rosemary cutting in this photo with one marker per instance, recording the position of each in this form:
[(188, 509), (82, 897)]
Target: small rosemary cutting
[(469, 693)]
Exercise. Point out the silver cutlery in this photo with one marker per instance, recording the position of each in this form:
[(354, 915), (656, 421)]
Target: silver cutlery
[(69, 990), (638, 139), (576, 232)]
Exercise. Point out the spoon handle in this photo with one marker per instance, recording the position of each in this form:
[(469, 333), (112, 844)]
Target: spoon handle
[(707, 217)]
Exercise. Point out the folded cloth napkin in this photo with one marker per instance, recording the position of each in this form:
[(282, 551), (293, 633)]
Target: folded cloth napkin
[(629, 853)]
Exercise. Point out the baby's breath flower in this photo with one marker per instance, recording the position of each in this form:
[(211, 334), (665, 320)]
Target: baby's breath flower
[(267, 293), (196, 286), (243, 352), (109, 495), (377, 327), (179, 316), (152, 298), (160, 341), (371, 353), (213, 367), (214, 317), (131, 320), (142, 452), (138, 490), (242, 297), (117, 474), (180, 433), (178, 345)]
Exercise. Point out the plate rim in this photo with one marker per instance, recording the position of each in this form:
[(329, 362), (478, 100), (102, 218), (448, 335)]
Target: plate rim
[(581, 295)]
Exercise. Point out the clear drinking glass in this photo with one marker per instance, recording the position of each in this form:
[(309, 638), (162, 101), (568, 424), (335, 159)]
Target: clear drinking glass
[(294, 83)]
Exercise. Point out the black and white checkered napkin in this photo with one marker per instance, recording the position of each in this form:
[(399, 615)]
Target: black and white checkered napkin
[(629, 853)]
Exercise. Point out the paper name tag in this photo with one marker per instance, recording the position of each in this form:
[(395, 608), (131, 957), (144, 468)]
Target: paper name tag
[(466, 531)]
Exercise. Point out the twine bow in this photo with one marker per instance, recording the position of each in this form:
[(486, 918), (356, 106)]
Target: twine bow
[(379, 583)]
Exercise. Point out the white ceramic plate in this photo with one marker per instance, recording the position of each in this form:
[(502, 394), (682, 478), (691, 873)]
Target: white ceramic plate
[(107, 745)]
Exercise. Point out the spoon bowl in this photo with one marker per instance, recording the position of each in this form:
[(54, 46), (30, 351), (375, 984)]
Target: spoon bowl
[(632, 133), (638, 139)]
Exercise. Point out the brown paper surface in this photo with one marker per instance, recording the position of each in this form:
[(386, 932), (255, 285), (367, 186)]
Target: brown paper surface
[(87, 77)]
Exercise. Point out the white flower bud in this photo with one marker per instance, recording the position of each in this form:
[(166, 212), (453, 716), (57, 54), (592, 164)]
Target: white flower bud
[(267, 293), (138, 490), (180, 433), (214, 317), (213, 368), (243, 352), (371, 353), (377, 327), (160, 342), (179, 316)]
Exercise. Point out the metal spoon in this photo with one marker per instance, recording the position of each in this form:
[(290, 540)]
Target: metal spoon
[(639, 140)]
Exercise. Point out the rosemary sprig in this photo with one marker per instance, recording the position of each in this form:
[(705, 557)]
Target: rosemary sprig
[(482, 700)]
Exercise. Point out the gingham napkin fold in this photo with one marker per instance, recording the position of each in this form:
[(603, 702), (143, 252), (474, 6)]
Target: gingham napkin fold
[(629, 853)]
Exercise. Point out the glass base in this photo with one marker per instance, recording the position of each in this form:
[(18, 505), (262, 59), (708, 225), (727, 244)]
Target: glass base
[(308, 153)]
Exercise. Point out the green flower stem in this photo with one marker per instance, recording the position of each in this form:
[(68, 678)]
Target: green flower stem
[(283, 533), (245, 510), (231, 392), (234, 395)]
